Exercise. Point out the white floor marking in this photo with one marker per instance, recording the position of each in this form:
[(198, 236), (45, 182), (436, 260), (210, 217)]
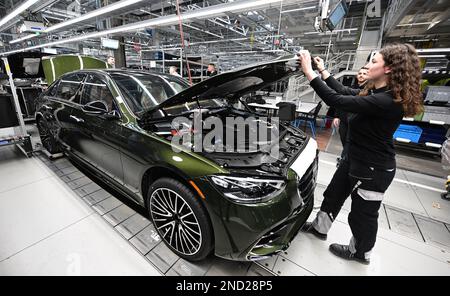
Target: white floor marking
[(420, 185), (398, 180)]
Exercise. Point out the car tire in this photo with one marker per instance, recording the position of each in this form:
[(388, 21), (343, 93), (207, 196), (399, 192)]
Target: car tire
[(48, 140), (180, 219)]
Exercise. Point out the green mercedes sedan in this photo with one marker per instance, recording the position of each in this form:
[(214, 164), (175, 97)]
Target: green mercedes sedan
[(139, 131)]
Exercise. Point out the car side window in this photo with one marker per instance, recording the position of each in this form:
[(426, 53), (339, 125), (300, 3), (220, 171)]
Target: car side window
[(69, 86), (95, 89)]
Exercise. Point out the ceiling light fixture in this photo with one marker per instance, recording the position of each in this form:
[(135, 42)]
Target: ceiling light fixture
[(329, 32), (161, 21), (95, 13), (414, 24), (21, 8), (299, 9), (26, 37), (423, 40), (433, 56), (432, 50)]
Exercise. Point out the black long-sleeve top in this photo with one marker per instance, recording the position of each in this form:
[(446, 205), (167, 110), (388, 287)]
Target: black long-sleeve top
[(376, 119), (340, 88)]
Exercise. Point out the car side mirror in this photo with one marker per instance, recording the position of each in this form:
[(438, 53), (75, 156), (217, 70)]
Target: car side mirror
[(96, 107)]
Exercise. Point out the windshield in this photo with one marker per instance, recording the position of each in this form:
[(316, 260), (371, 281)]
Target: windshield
[(143, 91)]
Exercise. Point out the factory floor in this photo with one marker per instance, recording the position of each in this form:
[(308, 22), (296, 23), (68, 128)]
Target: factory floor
[(57, 220)]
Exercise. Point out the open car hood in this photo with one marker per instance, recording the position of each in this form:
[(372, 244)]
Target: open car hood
[(235, 83)]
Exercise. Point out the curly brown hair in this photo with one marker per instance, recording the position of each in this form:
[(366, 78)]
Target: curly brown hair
[(404, 78)]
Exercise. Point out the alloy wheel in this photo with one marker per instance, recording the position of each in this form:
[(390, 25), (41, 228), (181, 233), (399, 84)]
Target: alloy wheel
[(45, 135), (175, 221)]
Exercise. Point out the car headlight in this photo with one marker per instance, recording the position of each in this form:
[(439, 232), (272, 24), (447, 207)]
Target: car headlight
[(248, 189)]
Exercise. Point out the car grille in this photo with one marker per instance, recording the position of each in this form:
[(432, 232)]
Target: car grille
[(307, 183), (266, 242), (272, 242), (306, 186)]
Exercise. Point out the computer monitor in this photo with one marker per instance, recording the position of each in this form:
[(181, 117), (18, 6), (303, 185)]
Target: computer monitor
[(438, 95), (337, 15), (31, 65)]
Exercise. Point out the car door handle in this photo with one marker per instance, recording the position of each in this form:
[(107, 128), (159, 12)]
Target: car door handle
[(79, 120)]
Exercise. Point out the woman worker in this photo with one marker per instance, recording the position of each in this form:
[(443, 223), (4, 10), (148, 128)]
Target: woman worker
[(367, 172)]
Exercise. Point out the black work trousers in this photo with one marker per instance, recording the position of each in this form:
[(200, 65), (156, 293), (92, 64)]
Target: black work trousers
[(366, 185)]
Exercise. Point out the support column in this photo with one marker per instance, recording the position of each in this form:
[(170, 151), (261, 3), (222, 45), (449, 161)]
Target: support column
[(119, 54)]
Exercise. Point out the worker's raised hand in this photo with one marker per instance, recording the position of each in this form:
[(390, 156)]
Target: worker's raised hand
[(305, 61), (319, 63), (336, 122)]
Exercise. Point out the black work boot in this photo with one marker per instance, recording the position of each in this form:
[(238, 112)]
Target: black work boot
[(343, 251), (308, 228)]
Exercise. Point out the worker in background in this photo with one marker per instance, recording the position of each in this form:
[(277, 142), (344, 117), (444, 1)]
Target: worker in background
[(211, 71), (173, 70), (341, 117), (361, 78), (111, 62), (367, 172)]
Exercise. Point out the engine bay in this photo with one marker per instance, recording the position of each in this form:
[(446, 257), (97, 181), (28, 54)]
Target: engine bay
[(249, 146)]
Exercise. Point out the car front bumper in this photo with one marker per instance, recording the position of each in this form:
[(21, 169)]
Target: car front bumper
[(256, 231)]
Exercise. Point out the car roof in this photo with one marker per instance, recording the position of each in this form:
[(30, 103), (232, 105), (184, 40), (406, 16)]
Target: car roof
[(118, 71), (128, 71)]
